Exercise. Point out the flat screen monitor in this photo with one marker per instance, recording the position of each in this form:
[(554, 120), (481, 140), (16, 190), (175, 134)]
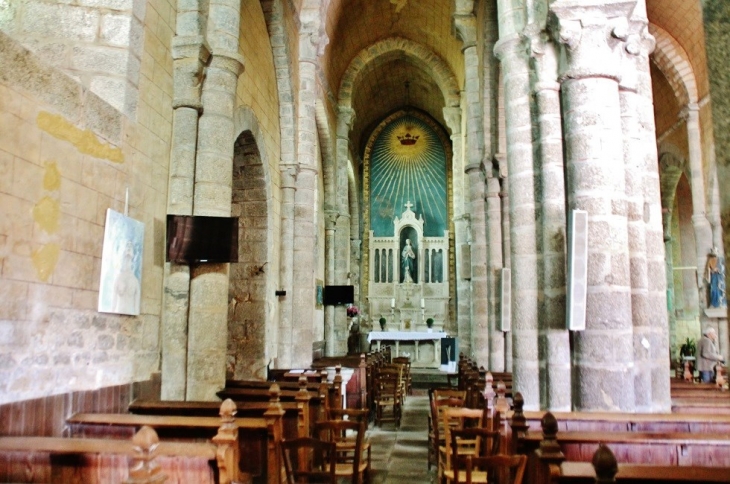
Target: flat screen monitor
[(199, 239), (338, 295)]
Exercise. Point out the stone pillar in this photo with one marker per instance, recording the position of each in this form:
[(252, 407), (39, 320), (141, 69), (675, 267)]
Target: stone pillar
[(302, 329), (501, 160), (592, 36), (494, 273), (512, 53), (553, 339), (462, 231), (478, 342), (702, 227), (341, 236), (286, 271), (190, 54), (716, 18), (330, 224), (465, 24), (645, 224), (208, 314)]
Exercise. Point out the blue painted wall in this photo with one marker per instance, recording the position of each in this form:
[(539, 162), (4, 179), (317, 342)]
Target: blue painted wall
[(402, 172)]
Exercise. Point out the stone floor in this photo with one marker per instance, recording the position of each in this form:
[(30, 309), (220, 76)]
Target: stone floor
[(401, 455)]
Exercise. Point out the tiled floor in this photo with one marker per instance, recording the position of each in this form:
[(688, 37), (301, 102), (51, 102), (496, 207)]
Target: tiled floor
[(400, 455)]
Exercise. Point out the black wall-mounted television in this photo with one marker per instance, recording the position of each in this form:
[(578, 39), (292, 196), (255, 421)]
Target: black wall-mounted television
[(338, 295), (199, 239)]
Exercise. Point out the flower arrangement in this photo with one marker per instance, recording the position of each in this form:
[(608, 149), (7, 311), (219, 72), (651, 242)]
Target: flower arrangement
[(352, 311)]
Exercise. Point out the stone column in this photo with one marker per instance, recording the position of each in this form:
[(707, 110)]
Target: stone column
[(286, 271), (512, 53), (501, 160), (645, 223), (494, 272), (702, 227), (554, 339), (208, 314), (305, 261), (190, 54), (716, 17), (592, 36), (478, 341), (341, 239), (465, 24), (330, 224), (453, 118)]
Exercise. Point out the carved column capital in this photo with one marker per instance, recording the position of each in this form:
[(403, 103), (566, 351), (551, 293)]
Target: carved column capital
[(330, 220), (289, 175), (593, 36), (232, 62), (466, 29), (513, 45), (190, 54), (452, 116)]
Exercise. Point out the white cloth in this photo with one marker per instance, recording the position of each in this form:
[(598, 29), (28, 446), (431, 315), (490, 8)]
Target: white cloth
[(404, 336)]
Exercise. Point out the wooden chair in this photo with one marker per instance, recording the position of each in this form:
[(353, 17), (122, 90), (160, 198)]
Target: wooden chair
[(455, 418), (348, 438), (360, 416), (388, 396), (495, 469), (435, 427), (408, 384), (309, 460)]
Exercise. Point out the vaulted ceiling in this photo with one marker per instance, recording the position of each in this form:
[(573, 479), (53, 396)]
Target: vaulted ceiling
[(380, 88)]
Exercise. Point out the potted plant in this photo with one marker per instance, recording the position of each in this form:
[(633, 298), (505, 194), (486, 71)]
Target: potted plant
[(352, 311), (429, 323), (382, 323), (689, 348)]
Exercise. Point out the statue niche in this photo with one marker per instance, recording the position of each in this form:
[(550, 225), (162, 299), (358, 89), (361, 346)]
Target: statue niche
[(409, 248), (407, 285)]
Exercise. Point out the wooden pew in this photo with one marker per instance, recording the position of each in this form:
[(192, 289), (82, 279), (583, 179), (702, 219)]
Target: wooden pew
[(105, 461), (656, 448), (549, 466), (257, 438)]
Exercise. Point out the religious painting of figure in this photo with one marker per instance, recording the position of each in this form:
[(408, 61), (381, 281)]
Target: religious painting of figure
[(120, 288)]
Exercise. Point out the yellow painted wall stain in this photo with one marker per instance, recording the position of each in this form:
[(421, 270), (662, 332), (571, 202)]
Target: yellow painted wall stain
[(46, 213), (45, 260), (84, 140), (52, 177)]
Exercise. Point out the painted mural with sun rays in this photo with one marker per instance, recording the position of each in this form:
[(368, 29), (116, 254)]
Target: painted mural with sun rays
[(408, 164)]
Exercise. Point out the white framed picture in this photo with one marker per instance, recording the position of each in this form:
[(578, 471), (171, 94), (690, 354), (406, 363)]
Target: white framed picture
[(120, 288)]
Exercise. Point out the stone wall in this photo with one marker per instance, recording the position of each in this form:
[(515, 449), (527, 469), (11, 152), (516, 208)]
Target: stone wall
[(66, 156), (97, 42)]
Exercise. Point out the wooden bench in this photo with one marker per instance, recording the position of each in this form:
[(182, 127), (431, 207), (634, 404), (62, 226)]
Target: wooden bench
[(656, 448), (105, 461), (548, 466), (257, 436)]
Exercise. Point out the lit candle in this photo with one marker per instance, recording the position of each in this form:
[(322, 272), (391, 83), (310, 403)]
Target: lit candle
[(423, 303), (392, 303)]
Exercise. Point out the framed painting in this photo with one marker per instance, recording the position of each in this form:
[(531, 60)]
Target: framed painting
[(120, 288)]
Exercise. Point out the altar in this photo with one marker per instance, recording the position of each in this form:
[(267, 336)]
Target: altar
[(406, 339)]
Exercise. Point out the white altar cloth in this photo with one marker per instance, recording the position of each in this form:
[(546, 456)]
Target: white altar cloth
[(404, 336), (415, 337)]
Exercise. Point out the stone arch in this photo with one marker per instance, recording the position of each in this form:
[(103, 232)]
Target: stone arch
[(252, 280), (672, 164), (383, 50), (671, 58)]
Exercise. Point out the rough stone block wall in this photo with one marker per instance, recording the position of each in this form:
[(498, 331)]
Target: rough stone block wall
[(66, 156), (98, 42)]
